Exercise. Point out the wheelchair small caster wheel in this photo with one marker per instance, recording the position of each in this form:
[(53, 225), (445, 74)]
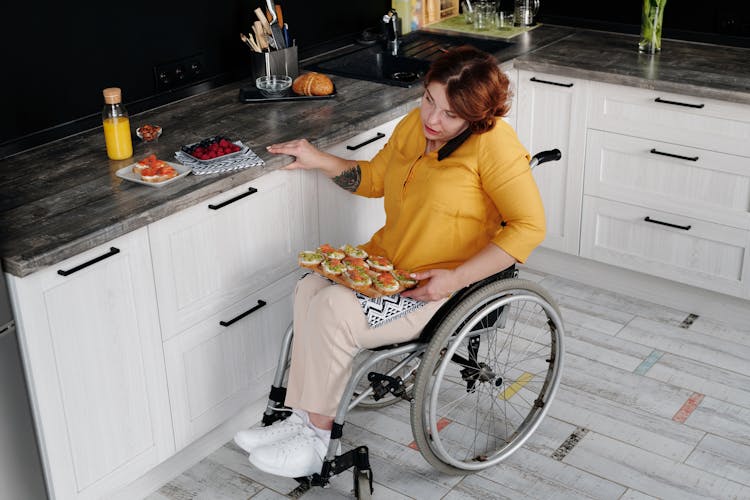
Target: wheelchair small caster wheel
[(362, 484)]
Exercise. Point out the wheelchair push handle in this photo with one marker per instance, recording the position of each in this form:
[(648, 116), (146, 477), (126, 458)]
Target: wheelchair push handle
[(545, 156)]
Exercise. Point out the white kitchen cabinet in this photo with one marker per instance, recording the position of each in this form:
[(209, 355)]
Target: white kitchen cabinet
[(667, 187), (345, 217), (668, 245), (220, 364), (512, 116), (93, 355), (212, 255), (552, 114)]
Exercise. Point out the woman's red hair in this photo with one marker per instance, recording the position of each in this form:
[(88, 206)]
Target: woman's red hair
[(475, 87)]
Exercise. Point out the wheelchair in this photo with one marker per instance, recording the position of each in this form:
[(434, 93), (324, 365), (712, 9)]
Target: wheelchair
[(479, 378)]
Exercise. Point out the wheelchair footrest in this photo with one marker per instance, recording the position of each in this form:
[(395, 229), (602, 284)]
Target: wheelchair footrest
[(359, 458)]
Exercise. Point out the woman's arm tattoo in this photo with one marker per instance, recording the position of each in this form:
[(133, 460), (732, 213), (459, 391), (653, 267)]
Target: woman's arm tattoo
[(349, 179)]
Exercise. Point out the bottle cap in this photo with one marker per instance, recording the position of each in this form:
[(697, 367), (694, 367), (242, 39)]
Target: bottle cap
[(112, 95)]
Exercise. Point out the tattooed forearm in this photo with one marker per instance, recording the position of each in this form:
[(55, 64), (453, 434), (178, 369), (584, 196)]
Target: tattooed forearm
[(349, 179)]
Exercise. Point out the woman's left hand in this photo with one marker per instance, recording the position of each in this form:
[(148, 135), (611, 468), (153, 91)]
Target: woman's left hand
[(440, 285)]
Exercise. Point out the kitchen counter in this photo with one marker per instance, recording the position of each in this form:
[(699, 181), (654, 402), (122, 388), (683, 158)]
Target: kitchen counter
[(696, 69), (63, 198)]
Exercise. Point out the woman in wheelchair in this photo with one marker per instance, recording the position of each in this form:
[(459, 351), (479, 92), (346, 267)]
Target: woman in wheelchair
[(460, 204)]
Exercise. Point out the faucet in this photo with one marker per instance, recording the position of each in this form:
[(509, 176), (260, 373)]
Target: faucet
[(392, 30)]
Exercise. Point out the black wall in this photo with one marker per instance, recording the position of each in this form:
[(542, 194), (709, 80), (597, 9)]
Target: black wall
[(724, 22), (58, 56)]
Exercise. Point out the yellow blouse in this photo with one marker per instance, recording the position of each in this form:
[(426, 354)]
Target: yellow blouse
[(441, 213)]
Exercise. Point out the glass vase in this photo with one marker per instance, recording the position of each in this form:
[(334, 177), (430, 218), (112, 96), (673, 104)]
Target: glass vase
[(651, 20)]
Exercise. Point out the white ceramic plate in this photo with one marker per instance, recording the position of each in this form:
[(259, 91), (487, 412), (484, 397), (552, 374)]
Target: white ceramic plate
[(128, 174)]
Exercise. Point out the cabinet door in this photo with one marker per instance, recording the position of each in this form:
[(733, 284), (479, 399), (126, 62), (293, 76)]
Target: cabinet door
[(226, 362), (512, 75), (345, 217), (551, 114), (219, 251), (95, 365)]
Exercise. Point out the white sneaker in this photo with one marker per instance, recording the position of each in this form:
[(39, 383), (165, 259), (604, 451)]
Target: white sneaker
[(300, 455), (256, 437)]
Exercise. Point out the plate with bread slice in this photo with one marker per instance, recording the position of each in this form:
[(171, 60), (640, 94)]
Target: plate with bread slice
[(308, 86), (153, 172)]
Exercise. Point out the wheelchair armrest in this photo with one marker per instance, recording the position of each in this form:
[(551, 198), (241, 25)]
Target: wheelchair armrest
[(441, 313)]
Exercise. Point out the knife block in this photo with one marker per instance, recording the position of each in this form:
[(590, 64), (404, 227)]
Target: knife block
[(280, 62)]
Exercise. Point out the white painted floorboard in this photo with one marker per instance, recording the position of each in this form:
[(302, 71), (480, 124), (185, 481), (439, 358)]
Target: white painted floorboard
[(664, 404)]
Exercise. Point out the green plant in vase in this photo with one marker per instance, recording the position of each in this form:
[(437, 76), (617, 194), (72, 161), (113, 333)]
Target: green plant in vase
[(651, 20)]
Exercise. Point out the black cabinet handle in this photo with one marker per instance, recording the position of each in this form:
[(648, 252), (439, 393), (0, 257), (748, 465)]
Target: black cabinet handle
[(112, 251), (260, 304), (676, 226), (379, 135), (655, 151), (677, 103), (535, 79), (225, 203)]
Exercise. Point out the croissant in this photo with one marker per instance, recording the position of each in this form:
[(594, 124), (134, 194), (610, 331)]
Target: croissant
[(312, 84)]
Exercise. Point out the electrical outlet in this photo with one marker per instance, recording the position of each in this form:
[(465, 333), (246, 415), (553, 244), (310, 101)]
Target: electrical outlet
[(174, 74)]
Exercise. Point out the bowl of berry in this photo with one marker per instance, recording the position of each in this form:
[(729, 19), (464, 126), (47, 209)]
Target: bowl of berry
[(214, 148)]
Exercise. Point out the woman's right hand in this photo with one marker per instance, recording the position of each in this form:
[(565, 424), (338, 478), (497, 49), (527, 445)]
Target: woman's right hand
[(306, 155)]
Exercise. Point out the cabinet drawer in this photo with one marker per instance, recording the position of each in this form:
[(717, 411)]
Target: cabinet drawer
[(689, 181), (365, 145), (690, 251), (704, 123), (208, 258), (214, 371)]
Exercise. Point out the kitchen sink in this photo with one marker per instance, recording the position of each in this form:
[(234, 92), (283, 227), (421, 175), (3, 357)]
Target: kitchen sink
[(378, 63)]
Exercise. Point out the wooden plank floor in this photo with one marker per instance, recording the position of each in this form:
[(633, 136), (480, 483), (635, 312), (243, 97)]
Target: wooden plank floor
[(659, 400)]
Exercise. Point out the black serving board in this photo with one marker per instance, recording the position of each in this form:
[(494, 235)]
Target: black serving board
[(252, 94)]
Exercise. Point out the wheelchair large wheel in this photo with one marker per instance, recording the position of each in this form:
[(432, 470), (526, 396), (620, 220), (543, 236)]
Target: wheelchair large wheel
[(487, 377)]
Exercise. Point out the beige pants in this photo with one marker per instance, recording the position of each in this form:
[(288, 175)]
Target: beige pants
[(329, 330)]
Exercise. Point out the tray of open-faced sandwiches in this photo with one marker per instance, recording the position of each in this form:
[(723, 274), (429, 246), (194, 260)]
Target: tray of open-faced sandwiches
[(370, 275)]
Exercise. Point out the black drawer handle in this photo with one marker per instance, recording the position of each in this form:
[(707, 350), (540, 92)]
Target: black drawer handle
[(535, 79), (112, 251), (379, 135), (655, 151), (676, 226), (225, 203), (260, 304), (677, 103)]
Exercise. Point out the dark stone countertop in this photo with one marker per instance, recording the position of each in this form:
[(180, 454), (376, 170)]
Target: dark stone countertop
[(695, 69), (63, 198)]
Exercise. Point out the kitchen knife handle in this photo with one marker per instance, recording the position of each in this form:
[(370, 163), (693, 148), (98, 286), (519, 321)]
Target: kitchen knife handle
[(655, 151), (232, 200), (112, 251), (260, 304), (379, 135), (535, 79), (677, 103), (668, 224)]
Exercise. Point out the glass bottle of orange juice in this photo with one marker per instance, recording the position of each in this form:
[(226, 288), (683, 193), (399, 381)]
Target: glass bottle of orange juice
[(116, 125)]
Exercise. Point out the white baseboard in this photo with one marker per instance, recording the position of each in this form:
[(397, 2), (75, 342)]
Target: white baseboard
[(723, 308), (192, 454)]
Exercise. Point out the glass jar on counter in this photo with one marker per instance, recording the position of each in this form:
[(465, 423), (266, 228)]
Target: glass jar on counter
[(116, 125)]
